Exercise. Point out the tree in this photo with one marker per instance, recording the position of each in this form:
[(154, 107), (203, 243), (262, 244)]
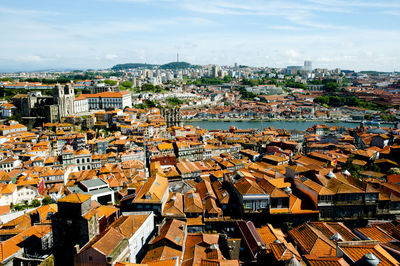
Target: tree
[(352, 168), (110, 82), (227, 79), (35, 203), (251, 82), (17, 117), (174, 101), (147, 87), (47, 201), (150, 103), (331, 86), (7, 79), (127, 84), (246, 94), (394, 171), (368, 117)]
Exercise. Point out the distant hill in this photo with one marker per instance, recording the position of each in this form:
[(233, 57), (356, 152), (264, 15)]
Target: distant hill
[(171, 65), (372, 72), (176, 65), (131, 65)]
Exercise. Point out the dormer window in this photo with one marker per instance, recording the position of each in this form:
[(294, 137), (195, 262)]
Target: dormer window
[(147, 195)]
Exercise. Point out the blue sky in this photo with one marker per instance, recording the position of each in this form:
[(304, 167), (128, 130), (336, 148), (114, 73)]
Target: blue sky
[(349, 34)]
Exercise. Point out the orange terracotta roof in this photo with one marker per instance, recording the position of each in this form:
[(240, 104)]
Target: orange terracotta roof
[(193, 203), (173, 230), (375, 233), (174, 206), (10, 246), (75, 198), (356, 252), (153, 190), (311, 241), (331, 261), (159, 254), (129, 224), (246, 186), (269, 235)]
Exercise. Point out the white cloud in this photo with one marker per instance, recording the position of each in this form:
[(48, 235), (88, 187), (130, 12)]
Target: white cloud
[(26, 12), (30, 58), (111, 56), (286, 28), (270, 33), (357, 3), (392, 12)]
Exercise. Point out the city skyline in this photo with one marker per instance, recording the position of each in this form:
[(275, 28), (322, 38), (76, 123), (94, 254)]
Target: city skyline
[(358, 35)]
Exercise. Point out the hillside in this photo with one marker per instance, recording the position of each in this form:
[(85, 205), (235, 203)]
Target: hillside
[(131, 65), (171, 65), (176, 65)]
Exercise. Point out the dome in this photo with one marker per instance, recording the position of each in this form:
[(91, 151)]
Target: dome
[(293, 262), (369, 259)]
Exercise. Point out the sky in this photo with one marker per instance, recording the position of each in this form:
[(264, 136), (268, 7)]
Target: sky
[(96, 34)]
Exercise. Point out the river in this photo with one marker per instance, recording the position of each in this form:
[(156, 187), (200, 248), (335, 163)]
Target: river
[(288, 125)]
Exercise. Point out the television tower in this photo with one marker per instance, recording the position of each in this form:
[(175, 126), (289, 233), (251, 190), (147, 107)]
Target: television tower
[(177, 57)]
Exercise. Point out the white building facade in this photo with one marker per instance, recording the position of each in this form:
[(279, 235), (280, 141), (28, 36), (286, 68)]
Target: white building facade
[(81, 105), (111, 100)]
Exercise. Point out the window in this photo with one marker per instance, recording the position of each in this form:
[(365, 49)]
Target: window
[(263, 204), (248, 204), (279, 203)]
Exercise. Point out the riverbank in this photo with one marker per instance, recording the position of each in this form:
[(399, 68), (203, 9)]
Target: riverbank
[(280, 119), (300, 125)]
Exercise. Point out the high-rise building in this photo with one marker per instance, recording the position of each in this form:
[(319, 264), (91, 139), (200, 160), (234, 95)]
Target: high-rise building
[(293, 70), (215, 71), (307, 66)]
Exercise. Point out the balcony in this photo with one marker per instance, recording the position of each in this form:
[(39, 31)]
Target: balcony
[(348, 203), (325, 203), (382, 211)]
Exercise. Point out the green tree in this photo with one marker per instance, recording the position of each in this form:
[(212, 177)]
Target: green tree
[(35, 203), (174, 101), (147, 87), (227, 79), (110, 82), (127, 84), (149, 103), (388, 117), (251, 82), (394, 171), (47, 201), (293, 84), (7, 79), (246, 94)]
